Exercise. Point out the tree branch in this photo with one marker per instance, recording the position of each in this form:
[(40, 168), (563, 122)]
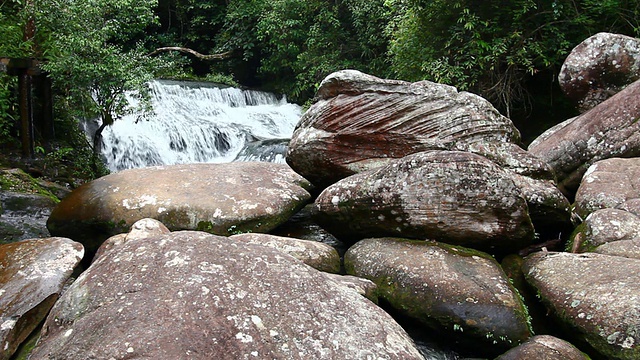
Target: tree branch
[(219, 56)]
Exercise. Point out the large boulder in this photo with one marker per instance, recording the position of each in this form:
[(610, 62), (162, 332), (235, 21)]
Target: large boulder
[(599, 67), (195, 295), (218, 198), (544, 347), (450, 196), (611, 129), (32, 275), (454, 290), (595, 297), (360, 122)]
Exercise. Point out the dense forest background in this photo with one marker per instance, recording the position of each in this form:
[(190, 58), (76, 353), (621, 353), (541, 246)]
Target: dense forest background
[(510, 52)]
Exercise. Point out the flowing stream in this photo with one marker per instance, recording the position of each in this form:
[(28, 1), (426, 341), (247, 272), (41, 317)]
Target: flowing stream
[(199, 122)]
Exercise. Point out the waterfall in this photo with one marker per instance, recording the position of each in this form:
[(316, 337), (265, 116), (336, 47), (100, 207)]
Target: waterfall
[(199, 122)]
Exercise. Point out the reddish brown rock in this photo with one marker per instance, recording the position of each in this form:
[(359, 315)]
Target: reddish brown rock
[(450, 196), (360, 122), (218, 198), (609, 130), (610, 232), (32, 275), (599, 67), (193, 295)]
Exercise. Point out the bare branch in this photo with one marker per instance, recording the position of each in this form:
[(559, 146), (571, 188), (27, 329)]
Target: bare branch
[(219, 56)]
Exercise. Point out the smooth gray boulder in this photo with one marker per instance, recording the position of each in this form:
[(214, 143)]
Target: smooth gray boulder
[(453, 290), (195, 295), (32, 275), (594, 296), (450, 196), (599, 67), (218, 198)]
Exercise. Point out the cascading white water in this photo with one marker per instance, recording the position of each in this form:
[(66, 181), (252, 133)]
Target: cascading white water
[(197, 122)]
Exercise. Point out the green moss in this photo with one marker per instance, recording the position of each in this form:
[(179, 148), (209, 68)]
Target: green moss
[(18, 181)]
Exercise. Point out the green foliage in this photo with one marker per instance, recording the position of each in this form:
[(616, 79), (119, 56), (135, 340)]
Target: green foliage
[(492, 47), (304, 41), (7, 108), (92, 59), (221, 79)]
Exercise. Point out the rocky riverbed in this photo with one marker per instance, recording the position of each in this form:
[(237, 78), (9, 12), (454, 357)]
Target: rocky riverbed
[(447, 227)]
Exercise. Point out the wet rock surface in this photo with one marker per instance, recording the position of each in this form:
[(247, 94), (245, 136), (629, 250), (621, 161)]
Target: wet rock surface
[(24, 216), (217, 198), (32, 275), (452, 289), (595, 296), (200, 296)]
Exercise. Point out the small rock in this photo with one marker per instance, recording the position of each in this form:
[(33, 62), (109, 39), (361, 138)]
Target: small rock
[(544, 347), (608, 183)]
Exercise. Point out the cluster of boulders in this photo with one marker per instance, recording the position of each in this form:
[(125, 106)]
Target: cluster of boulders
[(435, 205)]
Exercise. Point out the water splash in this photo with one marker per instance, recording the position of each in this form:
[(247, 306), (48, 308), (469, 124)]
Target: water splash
[(197, 122)]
